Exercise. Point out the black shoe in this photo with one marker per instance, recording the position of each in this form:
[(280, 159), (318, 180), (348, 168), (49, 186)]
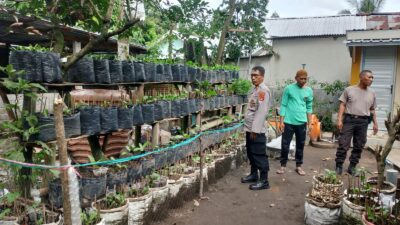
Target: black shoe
[(250, 178), (262, 184), (352, 170), (339, 170)]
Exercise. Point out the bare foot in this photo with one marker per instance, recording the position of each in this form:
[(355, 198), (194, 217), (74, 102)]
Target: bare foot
[(282, 170), (300, 171)]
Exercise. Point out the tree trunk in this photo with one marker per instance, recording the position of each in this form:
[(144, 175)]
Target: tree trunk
[(62, 149), (381, 158), (222, 39), (59, 41), (170, 40)]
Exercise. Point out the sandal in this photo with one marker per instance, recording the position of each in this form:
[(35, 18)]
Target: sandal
[(280, 171), (300, 171)]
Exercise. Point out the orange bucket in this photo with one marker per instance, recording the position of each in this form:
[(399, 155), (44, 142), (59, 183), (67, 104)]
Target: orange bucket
[(315, 131)]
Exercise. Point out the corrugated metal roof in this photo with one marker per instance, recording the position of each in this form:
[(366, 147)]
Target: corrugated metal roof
[(374, 42), (314, 26)]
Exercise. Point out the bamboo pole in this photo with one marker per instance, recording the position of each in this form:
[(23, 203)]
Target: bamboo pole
[(62, 146)]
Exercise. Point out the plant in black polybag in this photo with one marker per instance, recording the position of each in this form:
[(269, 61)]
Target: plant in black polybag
[(176, 73), (125, 116), (28, 61), (128, 72), (115, 71), (150, 69), (109, 117), (148, 109), (140, 74), (82, 71), (167, 73), (51, 69), (183, 70), (102, 71), (90, 119), (159, 77), (137, 118)]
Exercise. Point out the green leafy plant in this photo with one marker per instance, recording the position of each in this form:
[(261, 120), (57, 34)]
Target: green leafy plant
[(138, 192), (240, 86), (114, 200), (90, 218), (7, 202), (35, 47), (330, 177), (334, 88)]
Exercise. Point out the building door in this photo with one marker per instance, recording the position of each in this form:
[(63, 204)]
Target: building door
[(382, 62)]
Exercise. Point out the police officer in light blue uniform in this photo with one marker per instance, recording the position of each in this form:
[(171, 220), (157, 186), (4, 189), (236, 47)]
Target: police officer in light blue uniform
[(254, 126)]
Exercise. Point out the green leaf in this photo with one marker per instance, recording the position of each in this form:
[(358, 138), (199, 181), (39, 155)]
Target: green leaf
[(95, 20)]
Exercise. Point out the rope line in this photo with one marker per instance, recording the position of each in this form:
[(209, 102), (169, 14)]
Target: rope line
[(120, 160)]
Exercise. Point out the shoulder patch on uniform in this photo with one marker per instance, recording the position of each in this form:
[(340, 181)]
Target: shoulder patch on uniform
[(261, 96)]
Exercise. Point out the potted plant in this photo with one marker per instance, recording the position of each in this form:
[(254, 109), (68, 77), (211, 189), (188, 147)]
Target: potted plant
[(90, 117), (128, 72), (242, 88), (39, 214), (159, 189), (10, 209), (108, 117), (358, 196), (323, 202), (82, 66), (139, 201), (93, 180), (101, 69), (125, 115), (140, 74), (92, 217), (117, 175), (148, 109), (113, 208), (115, 67)]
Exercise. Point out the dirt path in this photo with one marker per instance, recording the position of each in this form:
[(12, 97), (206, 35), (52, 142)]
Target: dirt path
[(232, 203)]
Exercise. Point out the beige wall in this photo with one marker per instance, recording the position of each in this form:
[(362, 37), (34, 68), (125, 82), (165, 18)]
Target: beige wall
[(326, 59), (396, 96)]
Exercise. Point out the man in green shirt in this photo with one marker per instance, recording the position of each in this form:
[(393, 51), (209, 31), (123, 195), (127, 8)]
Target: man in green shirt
[(295, 112)]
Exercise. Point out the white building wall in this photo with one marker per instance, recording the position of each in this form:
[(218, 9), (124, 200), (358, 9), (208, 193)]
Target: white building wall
[(327, 59)]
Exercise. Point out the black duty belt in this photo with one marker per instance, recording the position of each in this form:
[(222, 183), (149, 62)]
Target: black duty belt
[(356, 116)]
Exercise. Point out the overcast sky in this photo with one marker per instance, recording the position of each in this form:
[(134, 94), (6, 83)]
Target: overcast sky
[(297, 8)]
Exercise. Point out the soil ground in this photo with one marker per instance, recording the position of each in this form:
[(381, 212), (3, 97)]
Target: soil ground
[(232, 203)]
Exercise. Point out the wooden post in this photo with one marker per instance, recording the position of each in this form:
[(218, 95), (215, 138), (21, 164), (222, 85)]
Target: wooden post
[(244, 109), (138, 135), (25, 183), (62, 147), (139, 98), (198, 119), (230, 111), (155, 134), (76, 47), (6, 101), (201, 194), (240, 107), (185, 124)]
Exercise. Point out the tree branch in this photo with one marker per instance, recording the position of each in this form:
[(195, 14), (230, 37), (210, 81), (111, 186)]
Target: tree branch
[(109, 11), (93, 42), (96, 10)]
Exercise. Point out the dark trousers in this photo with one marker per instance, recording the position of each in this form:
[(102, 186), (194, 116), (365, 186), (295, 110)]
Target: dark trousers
[(300, 131), (257, 154), (355, 128)]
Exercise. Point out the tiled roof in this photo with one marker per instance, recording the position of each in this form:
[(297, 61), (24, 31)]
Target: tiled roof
[(314, 26)]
